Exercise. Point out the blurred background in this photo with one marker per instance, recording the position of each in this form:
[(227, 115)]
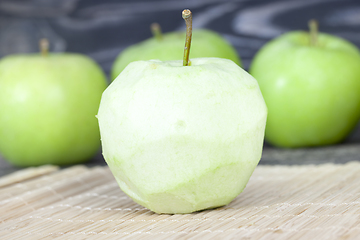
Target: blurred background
[(101, 29)]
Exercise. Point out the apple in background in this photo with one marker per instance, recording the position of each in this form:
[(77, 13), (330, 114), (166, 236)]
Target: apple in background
[(311, 86), (181, 138), (169, 46), (48, 105)]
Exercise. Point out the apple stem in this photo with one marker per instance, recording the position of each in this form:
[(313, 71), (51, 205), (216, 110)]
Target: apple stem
[(313, 26), (44, 47), (187, 16), (156, 31)]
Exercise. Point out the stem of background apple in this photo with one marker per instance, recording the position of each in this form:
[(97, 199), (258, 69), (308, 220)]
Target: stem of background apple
[(187, 16), (156, 31), (313, 26), (44, 47)]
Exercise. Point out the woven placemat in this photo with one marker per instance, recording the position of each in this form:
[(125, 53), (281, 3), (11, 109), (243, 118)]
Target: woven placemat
[(280, 202)]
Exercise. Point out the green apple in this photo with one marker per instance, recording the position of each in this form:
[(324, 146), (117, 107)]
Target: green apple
[(181, 137), (311, 85), (48, 105), (206, 43)]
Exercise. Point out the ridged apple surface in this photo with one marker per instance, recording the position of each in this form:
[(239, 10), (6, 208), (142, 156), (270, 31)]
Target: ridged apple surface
[(179, 139)]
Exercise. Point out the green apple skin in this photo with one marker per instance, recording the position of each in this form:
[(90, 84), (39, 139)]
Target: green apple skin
[(205, 43), (48, 107), (182, 139), (312, 92)]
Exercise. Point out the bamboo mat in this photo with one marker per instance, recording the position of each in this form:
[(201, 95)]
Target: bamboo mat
[(279, 202)]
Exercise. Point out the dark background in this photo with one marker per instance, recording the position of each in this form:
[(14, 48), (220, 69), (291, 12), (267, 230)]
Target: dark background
[(103, 28)]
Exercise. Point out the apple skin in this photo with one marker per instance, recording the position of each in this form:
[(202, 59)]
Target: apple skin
[(205, 43), (312, 92), (182, 139), (48, 106)]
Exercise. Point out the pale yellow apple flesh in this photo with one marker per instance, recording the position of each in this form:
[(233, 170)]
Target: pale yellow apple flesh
[(182, 139)]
